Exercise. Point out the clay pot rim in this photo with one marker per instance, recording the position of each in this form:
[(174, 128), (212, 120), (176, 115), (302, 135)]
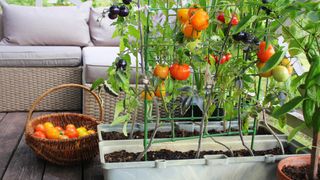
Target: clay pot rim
[(304, 160)]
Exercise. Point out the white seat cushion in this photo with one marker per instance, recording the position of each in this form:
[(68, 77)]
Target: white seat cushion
[(96, 61), (40, 56)]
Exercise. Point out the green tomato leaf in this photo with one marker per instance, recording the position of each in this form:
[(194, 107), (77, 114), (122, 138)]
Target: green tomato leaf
[(97, 83), (245, 22), (121, 119), (296, 130), (288, 106), (273, 61), (133, 31), (119, 108)]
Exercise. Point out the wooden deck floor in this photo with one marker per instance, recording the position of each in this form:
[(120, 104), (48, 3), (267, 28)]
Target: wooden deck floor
[(17, 161)]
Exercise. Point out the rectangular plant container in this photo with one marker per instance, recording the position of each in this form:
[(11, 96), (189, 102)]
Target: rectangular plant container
[(210, 167), (166, 127)]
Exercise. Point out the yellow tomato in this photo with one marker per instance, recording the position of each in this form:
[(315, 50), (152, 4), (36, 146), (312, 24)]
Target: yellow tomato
[(83, 133), (91, 132), (265, 74), (149, 95), (48, 125), (81, 129)]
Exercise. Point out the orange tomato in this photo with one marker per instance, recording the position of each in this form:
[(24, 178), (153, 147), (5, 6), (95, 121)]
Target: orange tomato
[(265, 54), (59, 128), (193, 9), (265, 74), (149, 96), (161, 90), (70, 126), (200, 20), (190, 32), (39, 134), (161, 71), (290, 69), (52, 133), (183, 15), (40, 127), (71, 133)]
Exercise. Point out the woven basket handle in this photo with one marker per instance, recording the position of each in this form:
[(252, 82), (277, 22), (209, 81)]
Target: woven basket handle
[(57, 88)]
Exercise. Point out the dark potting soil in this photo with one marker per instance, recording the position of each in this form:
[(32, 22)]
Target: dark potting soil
[(124, 156), (179, 133), (298, 173)]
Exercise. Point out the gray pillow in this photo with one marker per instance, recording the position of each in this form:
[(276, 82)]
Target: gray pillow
[(101, 32), (23, 25)]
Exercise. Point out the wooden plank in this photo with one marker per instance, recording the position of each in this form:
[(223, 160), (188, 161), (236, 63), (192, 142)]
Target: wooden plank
[(55, 172), (11, 128), (92, 170), (2, 115), (24, 164)]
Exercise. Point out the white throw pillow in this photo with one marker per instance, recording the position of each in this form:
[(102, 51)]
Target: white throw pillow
[(101, 32), (23, 25)]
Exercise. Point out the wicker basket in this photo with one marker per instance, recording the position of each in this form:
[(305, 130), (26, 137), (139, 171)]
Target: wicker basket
[(64, 152)]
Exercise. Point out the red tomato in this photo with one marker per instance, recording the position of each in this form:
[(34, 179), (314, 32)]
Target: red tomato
[(221, 18), (222, 61), (234, 20), (180, 72), (70, 126), (39, 134), (161, 71), (40, 127), (71, 133), (228, 56), (265, 54)]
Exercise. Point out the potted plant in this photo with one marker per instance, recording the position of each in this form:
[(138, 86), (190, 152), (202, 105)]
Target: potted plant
[(299, 29), (201, 71)]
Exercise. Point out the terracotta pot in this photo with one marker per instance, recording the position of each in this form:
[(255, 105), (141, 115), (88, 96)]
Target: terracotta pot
[(291, 161)]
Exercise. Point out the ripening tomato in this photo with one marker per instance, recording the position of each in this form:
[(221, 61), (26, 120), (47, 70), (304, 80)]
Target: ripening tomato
[(161, 90), (70, 126), (200, 20), (39, 134), (40, 127), (161, 71), (71, 133), (265, 74), (52, 133), (183, 15), (265, 54), (180, 71), (149, 96), (221, 18), (193, 9), (190, 32), (234, 20), (280, 73)]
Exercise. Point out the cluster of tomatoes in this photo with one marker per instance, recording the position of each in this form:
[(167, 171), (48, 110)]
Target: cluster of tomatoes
[(234, 19), (225, 58), (177, 71), (281, 72), (193, 20), (122, 11), (48, 131)]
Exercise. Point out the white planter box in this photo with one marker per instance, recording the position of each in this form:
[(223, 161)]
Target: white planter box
[(210, 167)]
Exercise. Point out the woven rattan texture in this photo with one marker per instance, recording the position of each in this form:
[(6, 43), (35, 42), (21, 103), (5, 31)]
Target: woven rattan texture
[(19, 87), (109, 103)]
